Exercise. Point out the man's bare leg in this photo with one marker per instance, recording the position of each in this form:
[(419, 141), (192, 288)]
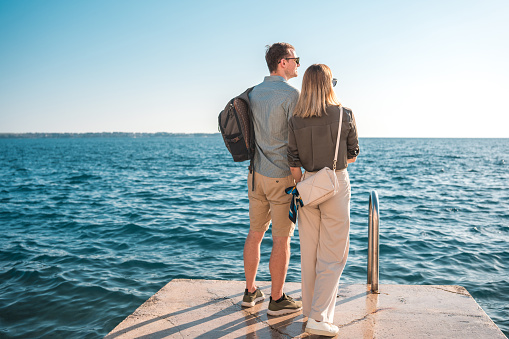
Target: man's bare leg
[(279, 259), (252, 258)]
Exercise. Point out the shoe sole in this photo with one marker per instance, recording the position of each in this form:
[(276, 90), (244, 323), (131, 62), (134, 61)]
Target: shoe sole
[(320, 332), (284, 311), (252, 303)]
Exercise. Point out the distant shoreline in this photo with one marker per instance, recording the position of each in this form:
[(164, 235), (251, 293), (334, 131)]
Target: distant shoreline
[(41, 135), (99, 135)]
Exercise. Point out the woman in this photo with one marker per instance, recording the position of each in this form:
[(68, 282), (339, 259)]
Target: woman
[(323, 229)]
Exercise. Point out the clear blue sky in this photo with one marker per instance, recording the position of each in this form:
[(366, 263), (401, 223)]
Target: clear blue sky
[(406, 68)]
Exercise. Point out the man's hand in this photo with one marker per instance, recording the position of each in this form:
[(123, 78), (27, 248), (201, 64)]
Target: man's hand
[(296, 173)]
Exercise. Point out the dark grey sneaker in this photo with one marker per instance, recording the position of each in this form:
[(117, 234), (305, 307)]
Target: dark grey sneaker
[(284, 305), (250, 299)]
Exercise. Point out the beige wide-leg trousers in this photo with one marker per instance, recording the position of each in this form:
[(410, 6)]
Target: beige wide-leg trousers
[(324, 243)]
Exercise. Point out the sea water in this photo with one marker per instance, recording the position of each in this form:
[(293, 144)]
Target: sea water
[(92, 227)]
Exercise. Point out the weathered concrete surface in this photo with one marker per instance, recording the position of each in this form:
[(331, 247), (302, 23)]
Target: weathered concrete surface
[(211, 309)]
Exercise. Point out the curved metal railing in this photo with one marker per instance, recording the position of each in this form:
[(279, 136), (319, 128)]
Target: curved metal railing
[(373, 242)]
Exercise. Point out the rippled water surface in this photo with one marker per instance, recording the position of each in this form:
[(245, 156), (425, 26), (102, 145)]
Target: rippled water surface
[(92, 227)]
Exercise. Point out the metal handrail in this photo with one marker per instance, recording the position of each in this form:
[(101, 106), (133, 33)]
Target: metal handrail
[(373, 242)]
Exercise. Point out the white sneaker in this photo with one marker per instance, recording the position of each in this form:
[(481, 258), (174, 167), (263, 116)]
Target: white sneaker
[(321, 328)]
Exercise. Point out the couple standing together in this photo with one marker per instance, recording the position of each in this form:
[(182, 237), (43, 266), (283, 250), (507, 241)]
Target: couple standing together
[(294, 131)]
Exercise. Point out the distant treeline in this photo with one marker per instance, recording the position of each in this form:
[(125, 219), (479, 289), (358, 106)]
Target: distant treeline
[(99, 135)]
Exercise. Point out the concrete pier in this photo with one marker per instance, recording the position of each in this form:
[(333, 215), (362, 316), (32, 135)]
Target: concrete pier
[(211, 309)]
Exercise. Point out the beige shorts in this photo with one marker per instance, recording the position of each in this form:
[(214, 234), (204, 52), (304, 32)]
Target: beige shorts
[(269, 202)]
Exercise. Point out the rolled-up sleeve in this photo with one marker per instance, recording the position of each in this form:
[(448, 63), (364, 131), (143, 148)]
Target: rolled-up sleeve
[(353, 140), (293, 152)]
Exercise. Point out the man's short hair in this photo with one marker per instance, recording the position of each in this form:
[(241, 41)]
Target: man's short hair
[(275, 53)]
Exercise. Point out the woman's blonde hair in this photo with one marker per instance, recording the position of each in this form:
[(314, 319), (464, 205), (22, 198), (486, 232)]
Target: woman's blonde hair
[(317, 92)]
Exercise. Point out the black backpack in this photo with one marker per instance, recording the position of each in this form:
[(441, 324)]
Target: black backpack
[(236, 127)]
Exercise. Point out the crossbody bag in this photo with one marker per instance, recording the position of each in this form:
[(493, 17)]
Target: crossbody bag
[(323, 185)]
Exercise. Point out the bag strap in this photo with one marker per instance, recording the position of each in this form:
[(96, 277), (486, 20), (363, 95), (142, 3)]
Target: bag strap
[(337, 141), (245, 96)]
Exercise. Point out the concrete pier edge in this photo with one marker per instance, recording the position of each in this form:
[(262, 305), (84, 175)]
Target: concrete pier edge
[(186, 308)]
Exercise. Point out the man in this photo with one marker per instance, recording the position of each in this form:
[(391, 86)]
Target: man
[(272, 103)]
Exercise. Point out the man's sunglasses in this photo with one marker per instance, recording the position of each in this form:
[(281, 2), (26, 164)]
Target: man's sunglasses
[(297, 60), (334, 82)]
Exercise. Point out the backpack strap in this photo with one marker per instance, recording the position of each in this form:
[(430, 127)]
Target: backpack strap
[(245, 96)]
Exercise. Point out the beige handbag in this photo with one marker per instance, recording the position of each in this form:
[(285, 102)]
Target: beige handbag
[(323, 184)]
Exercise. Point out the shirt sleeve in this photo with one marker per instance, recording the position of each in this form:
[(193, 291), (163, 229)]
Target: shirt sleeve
[(293, 152), (353, 140)]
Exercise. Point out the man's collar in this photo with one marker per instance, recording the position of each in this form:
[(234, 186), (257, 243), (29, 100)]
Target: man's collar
[(274, 78)]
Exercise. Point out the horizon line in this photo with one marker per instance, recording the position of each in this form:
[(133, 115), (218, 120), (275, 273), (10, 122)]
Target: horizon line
[(49, 134)]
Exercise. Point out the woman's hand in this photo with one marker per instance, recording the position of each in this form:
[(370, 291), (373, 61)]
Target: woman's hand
[(296, 173), (349, 161)]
